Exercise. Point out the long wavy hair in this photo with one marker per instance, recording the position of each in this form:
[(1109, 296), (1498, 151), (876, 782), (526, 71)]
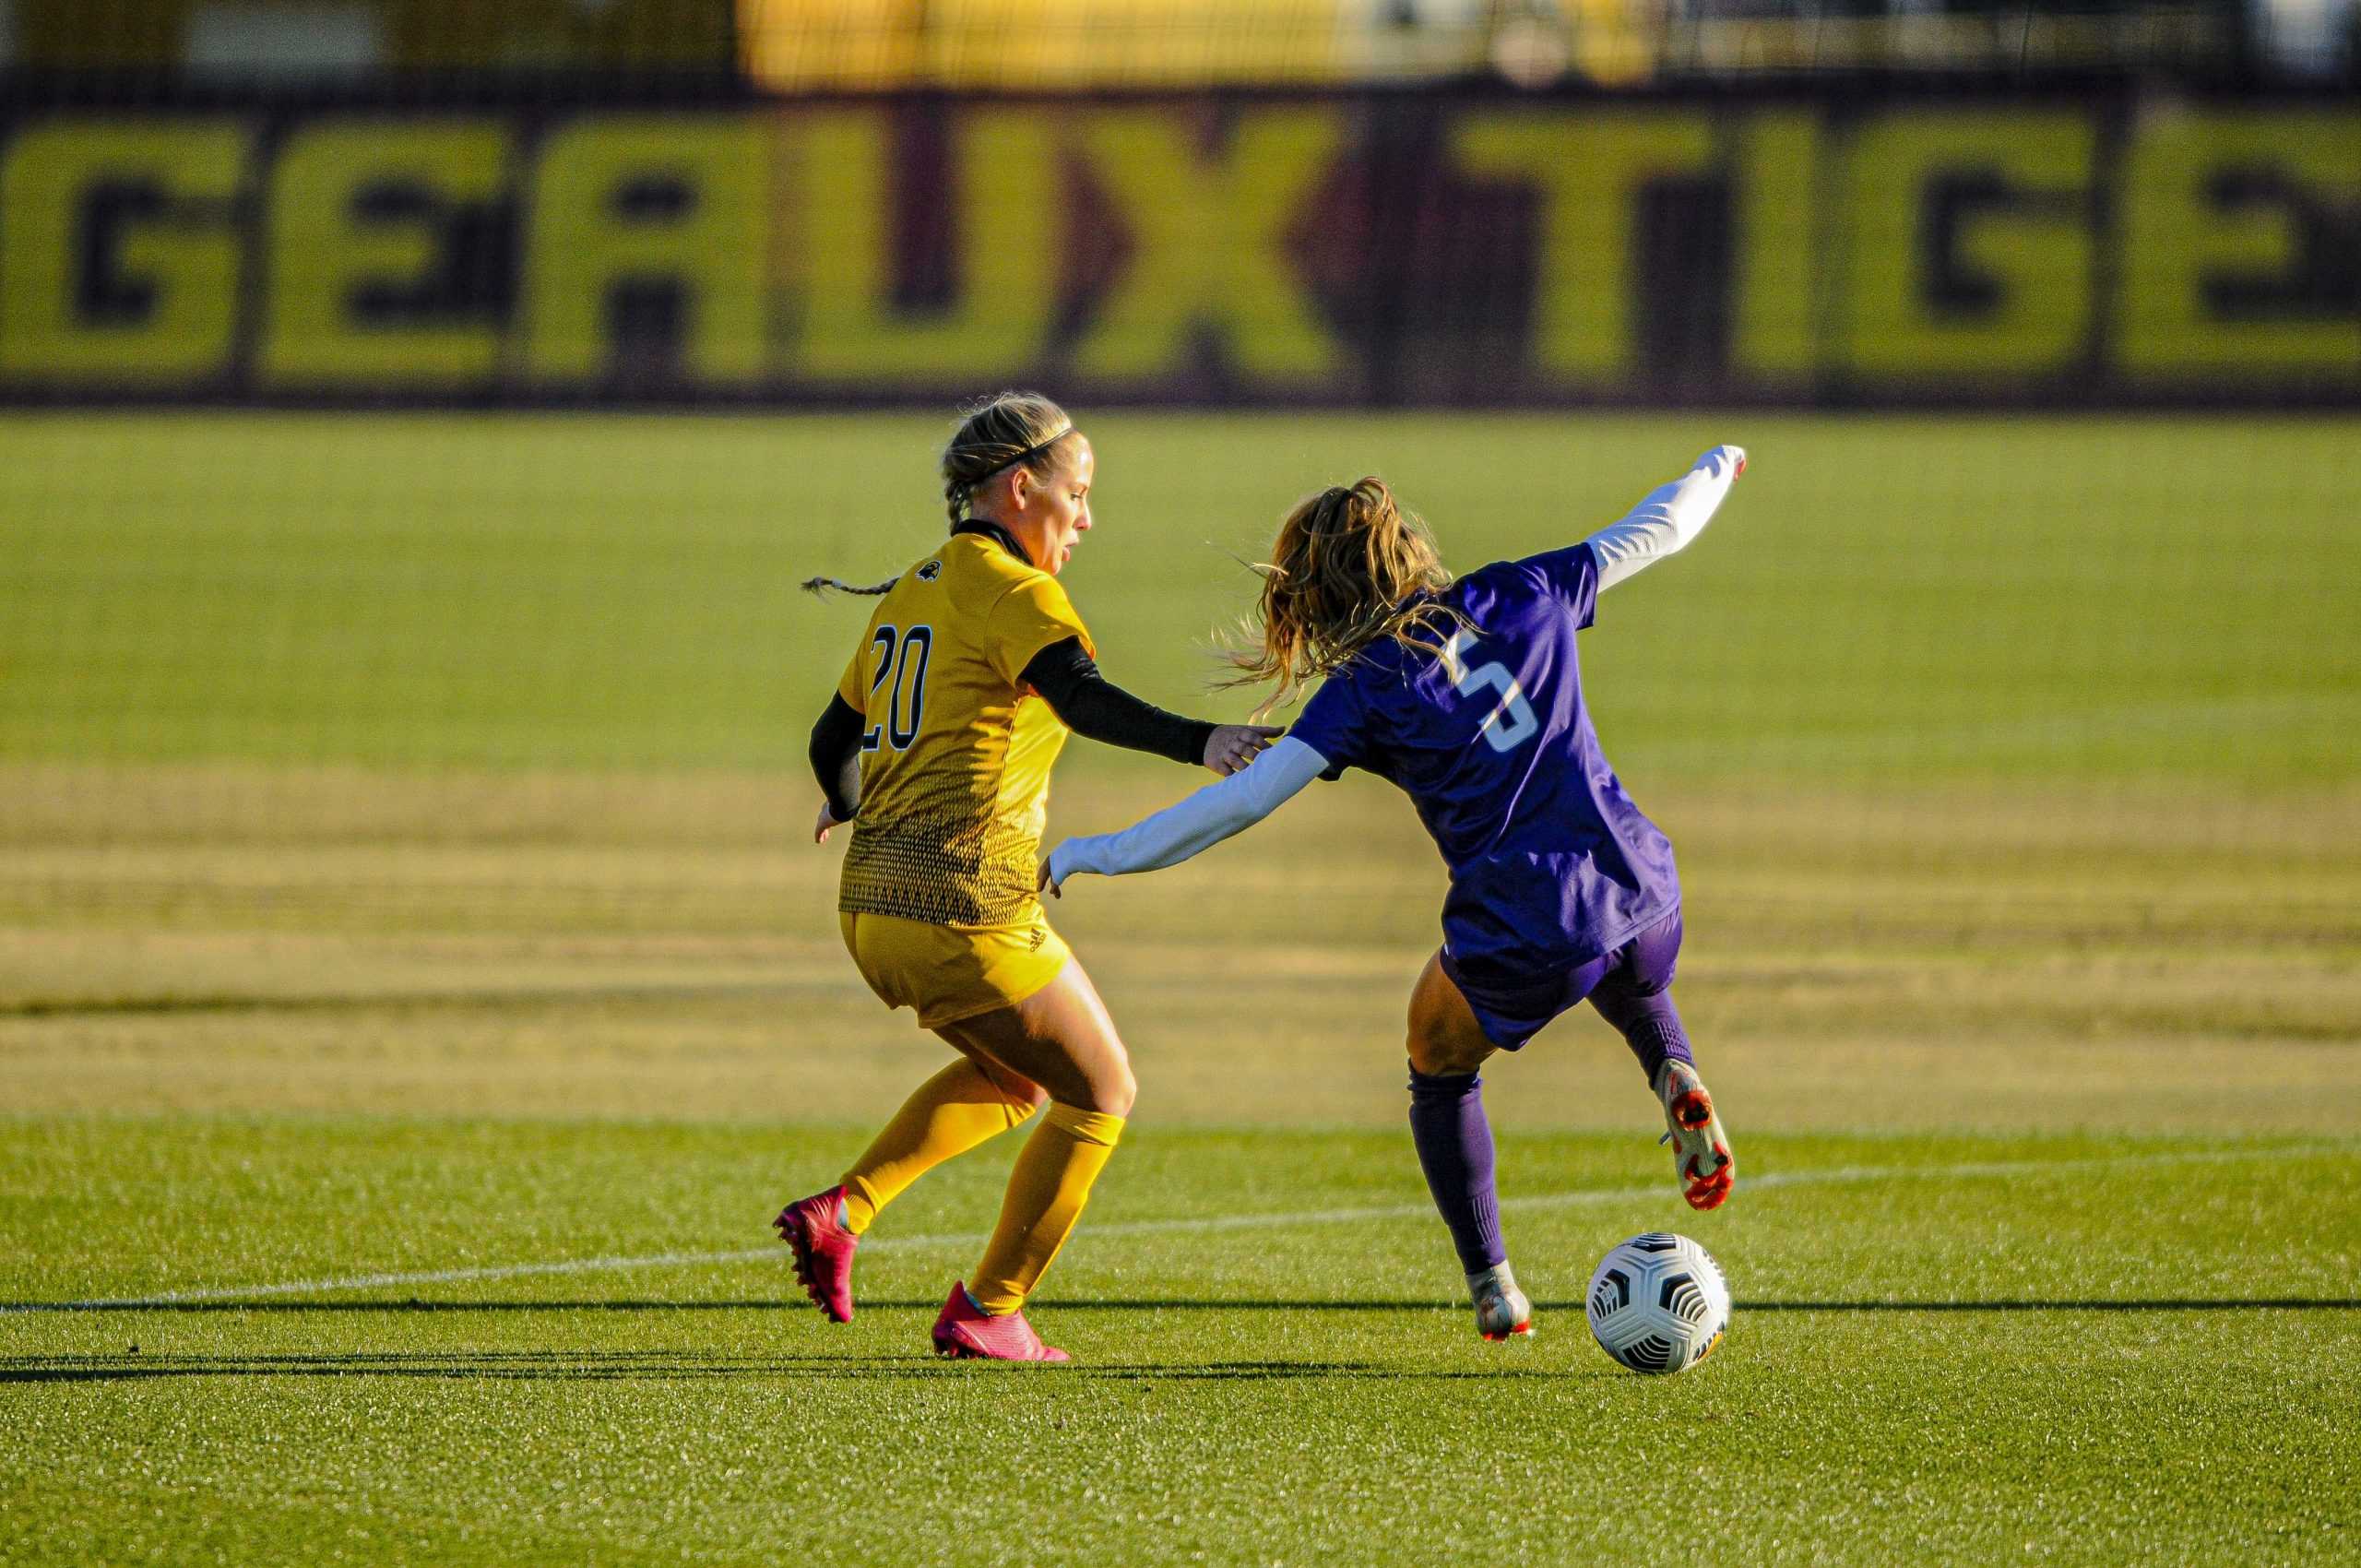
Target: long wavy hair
[(1349, 567), (994, 433)]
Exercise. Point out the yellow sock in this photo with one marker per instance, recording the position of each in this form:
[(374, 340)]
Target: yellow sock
[(1046, 1195), (948, 1114)]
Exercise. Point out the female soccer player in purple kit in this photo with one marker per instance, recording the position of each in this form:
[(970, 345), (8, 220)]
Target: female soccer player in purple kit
[(1468, 695)]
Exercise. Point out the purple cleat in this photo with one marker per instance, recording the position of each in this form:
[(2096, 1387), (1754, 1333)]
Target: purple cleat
[(813, 1228)]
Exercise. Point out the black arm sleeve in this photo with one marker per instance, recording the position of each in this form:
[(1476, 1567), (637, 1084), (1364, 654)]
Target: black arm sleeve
[(1092, 706), (836, 757)]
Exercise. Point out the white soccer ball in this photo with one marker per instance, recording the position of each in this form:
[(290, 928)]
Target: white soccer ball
[(1658, 1303)]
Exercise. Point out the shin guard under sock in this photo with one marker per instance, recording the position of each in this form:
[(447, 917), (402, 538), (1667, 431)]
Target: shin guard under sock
[(1046, 1195), (947, 1115), (1650, 1026), (1455, 1143)]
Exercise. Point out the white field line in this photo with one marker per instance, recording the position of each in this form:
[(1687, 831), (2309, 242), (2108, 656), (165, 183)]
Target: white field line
[(1841, 1175)]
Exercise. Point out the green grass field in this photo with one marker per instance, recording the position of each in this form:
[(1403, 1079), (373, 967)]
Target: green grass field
[(1946, 1349), (414, 988)]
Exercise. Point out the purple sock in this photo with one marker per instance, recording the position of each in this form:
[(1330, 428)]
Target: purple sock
[(1455, 1143), (1650, 1026)]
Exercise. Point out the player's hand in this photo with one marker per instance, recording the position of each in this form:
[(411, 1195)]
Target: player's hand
[(827, 820), (1233, 746), (1043, 884)]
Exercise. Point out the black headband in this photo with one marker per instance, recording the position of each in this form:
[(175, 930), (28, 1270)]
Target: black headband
[(1033, 451)]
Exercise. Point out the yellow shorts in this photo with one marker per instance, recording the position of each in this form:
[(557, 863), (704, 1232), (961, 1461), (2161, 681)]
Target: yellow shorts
[(950, 972)]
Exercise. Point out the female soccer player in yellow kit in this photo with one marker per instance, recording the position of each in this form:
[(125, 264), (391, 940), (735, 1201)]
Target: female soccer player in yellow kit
[(937, 748)]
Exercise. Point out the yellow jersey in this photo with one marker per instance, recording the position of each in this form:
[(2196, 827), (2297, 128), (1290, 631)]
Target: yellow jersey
[(954, 768)]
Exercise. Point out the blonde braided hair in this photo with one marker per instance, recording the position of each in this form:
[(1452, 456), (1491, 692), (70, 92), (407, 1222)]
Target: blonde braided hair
[(995, 433)]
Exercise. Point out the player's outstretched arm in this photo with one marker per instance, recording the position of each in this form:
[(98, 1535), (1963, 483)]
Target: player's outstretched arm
[(1098, 709), (1189, 826), (1669, 516)]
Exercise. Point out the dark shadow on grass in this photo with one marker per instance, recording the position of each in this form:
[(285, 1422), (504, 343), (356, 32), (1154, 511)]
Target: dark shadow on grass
[(660, 1366), (2173, 1304), (1251, 1371), (1148, 1304), (489, 997), (559, 1366)]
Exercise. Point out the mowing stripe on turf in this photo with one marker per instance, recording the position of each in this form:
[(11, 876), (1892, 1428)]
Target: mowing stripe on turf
[(1198, 1225), (1209, 1223)]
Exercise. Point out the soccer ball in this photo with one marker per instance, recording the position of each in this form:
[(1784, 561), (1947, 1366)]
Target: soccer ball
[(1658, 1303)]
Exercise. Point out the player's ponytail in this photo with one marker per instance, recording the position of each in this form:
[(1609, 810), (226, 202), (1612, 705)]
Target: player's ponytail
[(822, 587), (995, 434), (1349, 567)]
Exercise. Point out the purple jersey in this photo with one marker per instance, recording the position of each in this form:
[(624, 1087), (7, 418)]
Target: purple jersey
[(1551, 864)]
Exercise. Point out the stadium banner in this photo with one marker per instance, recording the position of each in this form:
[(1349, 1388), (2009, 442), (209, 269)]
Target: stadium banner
[(1398, 248)]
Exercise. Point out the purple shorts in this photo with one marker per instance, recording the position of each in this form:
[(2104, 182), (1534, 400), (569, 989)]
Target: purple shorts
[(1512, 1012)]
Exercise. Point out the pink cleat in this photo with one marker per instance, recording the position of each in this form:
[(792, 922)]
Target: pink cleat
[(966, 1332), (814, 1230)]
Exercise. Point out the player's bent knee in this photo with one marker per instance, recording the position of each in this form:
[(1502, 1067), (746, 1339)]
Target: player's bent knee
[(1115, 1095), (1447, 1058)]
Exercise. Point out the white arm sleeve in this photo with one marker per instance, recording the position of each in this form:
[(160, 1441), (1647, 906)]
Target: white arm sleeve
[(1198, 823), (1670, 518)]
